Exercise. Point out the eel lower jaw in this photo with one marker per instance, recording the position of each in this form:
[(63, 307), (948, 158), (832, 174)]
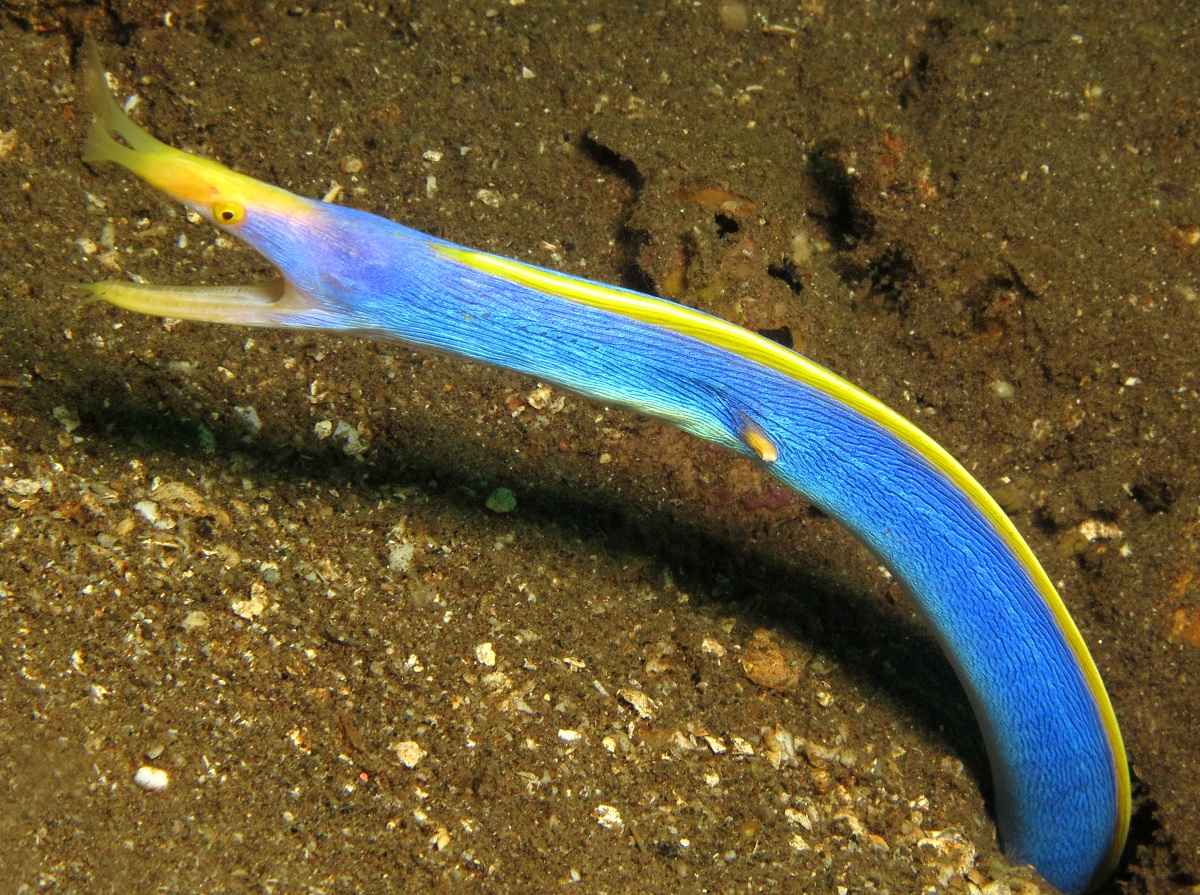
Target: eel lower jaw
[(274, 302)]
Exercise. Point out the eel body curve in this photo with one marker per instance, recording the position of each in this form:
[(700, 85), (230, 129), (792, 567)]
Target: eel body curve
[(1058, 763)]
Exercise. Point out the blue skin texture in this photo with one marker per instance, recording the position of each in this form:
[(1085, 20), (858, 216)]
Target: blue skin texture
[(1049, 750), (1061, 782)]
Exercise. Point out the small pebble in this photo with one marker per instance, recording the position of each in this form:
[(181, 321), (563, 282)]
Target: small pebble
[(609, 817), (195, 620), (148, 510), (765, 663), (741, 747), (249, 416), (734, 16), (254, 607), (151, 779), (400, 555), (712, 647), (1003, 389), (638, 701), (489, 197), (485, 655), (409, 753), (1185, 626), (540, 397), (1099, 530), (8, 142), (501, 501), (67, 418)]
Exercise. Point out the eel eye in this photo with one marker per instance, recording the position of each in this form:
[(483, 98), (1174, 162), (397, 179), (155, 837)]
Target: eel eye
[(228, 213)]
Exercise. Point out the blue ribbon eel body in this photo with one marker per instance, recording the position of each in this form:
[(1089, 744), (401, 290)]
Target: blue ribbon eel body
[(1059, 766)]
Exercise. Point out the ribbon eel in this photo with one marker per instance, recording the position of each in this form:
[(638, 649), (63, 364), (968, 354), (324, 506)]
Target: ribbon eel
[(1058, 763)]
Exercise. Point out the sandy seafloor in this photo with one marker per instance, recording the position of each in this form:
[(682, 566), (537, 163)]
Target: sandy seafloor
[(983, 213)]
